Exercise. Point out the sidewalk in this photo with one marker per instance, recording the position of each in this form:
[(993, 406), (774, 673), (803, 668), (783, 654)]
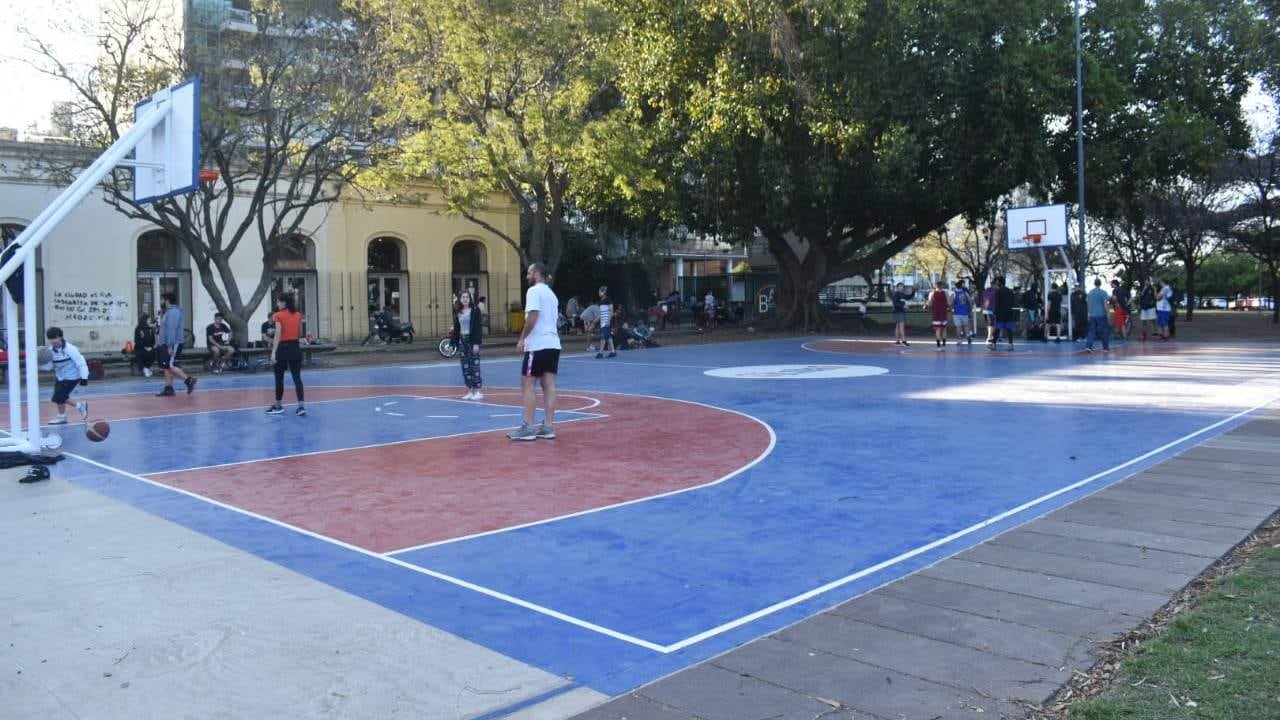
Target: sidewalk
[(994, 631)]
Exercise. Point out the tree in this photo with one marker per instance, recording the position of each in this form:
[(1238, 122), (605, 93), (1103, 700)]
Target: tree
[(1188, 217), (841, 133), (1254, 225), (1163, 85), (976, 242), (510, 98), (286, 116)]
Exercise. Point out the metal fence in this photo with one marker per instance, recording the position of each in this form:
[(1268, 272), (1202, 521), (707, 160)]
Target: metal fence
[(345, 301)]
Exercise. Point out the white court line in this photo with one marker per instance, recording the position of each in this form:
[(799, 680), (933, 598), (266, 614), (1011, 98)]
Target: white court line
[(773, 440), (447, 417), (641, 364), (396, 414), (897, 559), (590, 416), (369, 553)]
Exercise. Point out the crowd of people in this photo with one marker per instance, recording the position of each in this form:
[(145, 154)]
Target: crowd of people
[(1008, 312)]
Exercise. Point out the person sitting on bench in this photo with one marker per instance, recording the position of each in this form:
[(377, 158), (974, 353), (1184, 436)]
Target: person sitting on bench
[(218, 338)]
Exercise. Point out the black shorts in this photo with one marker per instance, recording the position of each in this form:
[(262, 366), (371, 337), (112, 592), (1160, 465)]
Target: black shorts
[(540, 362), (606, 333), (162, 355), (62, 390)]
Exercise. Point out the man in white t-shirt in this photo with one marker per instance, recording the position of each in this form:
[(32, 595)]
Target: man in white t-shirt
[(540, 343)]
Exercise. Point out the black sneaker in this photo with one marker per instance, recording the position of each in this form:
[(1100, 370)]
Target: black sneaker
[(190, 383), (612, 354), (275, 410), (166, 392), (301, 411), (599, 355)]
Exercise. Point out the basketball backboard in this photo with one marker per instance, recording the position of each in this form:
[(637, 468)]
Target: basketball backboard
[(1040, 226), (167, 160)]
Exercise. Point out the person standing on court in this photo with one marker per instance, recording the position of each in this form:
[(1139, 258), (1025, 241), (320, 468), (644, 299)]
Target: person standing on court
[(1098, 325), (468, 327), (900, 298), (961, 307), (1054, 320), (144, 344), (540, 343), (939, 308), (1164, 309), (1005, 312), (606, 323), (1120, 301), (286, 351), (170, 348)]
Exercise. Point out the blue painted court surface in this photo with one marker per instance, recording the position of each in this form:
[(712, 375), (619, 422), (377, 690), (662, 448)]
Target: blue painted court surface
[(678, 513)]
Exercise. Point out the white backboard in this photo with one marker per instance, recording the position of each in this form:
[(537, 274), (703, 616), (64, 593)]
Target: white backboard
[(173, 147), (1023, 226)]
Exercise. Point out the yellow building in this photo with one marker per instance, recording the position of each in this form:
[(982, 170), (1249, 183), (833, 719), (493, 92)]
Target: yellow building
[(99, 270)]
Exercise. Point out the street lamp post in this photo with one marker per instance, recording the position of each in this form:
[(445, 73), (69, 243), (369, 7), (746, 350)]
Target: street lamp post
[(1080, 144)]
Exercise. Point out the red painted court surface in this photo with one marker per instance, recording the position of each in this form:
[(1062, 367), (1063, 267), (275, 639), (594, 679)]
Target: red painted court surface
[(408, 494)]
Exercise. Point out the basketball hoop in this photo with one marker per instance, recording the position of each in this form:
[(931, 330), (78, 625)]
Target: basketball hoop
[(208, 176)]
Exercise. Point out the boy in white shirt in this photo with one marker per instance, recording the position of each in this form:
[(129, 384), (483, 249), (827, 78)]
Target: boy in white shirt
[(70, 370)]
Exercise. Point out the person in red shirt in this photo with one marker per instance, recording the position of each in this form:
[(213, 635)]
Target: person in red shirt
[(939, 306), (286, 351)]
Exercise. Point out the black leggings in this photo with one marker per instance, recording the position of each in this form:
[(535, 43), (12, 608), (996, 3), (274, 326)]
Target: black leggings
[(288, 356)]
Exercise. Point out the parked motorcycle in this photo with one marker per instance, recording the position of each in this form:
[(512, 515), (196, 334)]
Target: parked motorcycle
[(389, 331)]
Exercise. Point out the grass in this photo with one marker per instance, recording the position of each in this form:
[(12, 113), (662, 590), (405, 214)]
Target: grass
[(1219, 659)]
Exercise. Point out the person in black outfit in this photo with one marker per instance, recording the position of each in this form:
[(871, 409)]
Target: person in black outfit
[(144, 344), (1053, 323), (1005, 314), (1079, 314)]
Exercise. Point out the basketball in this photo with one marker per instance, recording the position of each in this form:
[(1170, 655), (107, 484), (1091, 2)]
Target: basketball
[(44, 355), (98, 431)]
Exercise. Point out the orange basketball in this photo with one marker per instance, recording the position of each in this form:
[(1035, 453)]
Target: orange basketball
[(98, 431)]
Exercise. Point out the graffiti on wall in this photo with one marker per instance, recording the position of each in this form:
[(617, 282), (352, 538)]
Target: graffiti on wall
[(89, 307)]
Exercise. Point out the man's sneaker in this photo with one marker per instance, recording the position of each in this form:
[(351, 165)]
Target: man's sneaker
[(275, 410), (146, 372), (167, 391), (301, 411), (599, 355), (59, 420), (477, 395), (546, 432), (82, 407), (524, 432), (612, 354), (190, 383), (1089, 350)]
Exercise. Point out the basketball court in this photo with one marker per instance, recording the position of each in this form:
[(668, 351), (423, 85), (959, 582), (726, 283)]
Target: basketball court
[(696, 498)]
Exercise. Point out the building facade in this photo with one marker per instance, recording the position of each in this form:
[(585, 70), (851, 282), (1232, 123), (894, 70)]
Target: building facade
[(99, 271)]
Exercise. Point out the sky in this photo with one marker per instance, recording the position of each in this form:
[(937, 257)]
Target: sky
[(29, 95)]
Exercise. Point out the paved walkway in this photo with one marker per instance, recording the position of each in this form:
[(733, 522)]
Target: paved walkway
[(1003, 625)]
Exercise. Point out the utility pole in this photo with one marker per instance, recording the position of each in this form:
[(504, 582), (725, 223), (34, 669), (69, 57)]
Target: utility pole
[(1080, 144)]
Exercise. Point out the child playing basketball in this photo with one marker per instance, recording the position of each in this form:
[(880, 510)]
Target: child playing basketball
[(70, 370)]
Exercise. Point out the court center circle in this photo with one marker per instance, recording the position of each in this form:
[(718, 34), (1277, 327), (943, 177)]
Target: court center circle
[(812, 371)]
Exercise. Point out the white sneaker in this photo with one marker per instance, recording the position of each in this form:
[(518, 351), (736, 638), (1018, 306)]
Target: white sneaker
[(59, 420), (82, 407), (146, 372), (471, 395), (477, 395)]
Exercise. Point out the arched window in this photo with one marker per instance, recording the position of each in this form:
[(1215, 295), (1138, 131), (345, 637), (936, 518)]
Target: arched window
[(10, 232), (295, 272), (386, 254), (388, 283), (470, 271), (164, 267)]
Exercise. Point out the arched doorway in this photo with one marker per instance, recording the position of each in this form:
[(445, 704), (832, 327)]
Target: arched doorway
[(295, 271), (470, 270), (163, 267), (10, 232), (388, 277)]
